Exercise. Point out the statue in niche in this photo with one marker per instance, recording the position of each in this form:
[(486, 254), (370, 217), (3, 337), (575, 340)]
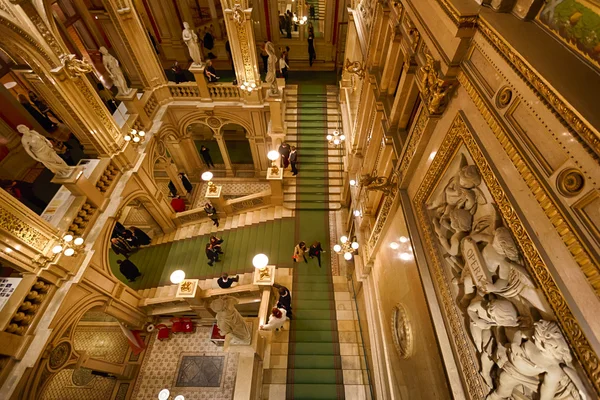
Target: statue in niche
[(230, 321), (40, 149), (519, 348), (114, 71), (271, 77), (191, 40)]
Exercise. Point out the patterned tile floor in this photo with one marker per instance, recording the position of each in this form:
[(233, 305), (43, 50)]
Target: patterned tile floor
[(168, 364)]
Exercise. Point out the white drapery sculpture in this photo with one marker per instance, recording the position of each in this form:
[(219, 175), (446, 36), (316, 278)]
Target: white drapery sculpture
[(229, 320), (40, 149), (191, 40), (114, 71), (271, 77)]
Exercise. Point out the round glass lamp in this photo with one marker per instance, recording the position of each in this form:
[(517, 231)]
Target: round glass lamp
[(347, 256), (177, 277), (57, 249), (164, 394), (344, 239), (337, 248), (69, 252), (354, 245), (260, 261), (78, 241), (68, 238), (207, 176), (273, 155)]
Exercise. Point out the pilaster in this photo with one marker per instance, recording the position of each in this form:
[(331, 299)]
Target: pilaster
[(225, 154), (185, 155)]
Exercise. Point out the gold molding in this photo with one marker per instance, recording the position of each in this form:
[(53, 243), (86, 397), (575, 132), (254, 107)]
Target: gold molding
[(586, 134), (458, 135), (413, 142), (461, 21), (561, 222), (16, 226)]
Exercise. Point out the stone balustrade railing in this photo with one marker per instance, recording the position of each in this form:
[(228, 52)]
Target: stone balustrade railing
[(223, 91), (185, 90), (256, 200)]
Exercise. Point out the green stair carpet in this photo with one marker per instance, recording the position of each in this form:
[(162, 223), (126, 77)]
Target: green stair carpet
[(157, 262), (314, 362)]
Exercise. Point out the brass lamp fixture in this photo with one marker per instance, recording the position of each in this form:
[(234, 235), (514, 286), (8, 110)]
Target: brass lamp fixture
[(273, 155), (69, 245), (207, 177), (260, 262), (386, 185), (337, 138), (135, 136), (248, 86), (347, 247)]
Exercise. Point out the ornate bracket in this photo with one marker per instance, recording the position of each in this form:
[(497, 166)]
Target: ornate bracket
[(238, 14), (434, 89), (388, 186), (355, 67), (75, 67)]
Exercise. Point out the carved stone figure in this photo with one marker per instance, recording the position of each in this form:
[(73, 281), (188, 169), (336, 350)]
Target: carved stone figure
[(40, 149), (114, 71), (542, 363), (191, 40), (271, 77), (229, 320), (75, 67)]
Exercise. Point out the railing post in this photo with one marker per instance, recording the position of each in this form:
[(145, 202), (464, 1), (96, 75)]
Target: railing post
[(198, 71)]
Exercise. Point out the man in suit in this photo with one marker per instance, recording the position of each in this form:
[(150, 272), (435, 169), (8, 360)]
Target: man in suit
[(225, 281), (285, 299), (294, 160)]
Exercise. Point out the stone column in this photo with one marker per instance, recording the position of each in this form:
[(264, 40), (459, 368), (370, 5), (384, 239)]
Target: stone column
[(276, 127), (185, 155), (224, 153), (135, 38), (240, 30), (172, 172), (391, 68), (198, 71), (134, 106)]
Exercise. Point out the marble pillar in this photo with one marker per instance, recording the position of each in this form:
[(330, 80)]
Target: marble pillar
[(224, 153), (185, 155)]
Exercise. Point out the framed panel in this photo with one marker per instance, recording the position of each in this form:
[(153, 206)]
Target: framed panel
[(501, 304)]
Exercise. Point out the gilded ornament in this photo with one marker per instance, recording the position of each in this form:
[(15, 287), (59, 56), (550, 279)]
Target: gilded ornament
[(355, 67), (387, 185), (12, 224), (382, 217), (238, 14), (504, 97), (460, 135), (59, 355), (435, 90), (75, 67), (413, 142), (402, 333), (570, 182)]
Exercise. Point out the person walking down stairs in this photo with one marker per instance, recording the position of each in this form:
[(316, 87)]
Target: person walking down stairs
[(315, 250), (285, 299), (294, 160), (299, 252), (276, 320), (211, 211)]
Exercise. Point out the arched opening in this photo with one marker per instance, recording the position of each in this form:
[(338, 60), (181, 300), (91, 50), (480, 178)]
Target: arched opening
[(203, 135), (238, 146)]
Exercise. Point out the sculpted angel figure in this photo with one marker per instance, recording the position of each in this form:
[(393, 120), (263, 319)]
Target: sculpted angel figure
[(542, 363), (40, 149), (114, 71), (191, 40)]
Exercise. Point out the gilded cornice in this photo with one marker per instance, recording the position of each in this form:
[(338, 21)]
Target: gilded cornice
[(458, 135), (585, 133), (561, 222), (461, 21)]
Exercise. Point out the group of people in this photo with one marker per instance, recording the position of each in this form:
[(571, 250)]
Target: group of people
[(40, 111), (125, 242), (289, 156), (314, 251), (282, 310), (213, 250)]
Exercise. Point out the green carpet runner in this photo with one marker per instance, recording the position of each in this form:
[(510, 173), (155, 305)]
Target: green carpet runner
[(314, 362), (156, 263)]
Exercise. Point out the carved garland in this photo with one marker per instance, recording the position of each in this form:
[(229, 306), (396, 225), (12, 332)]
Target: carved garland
[(238, 13), (569, 235), (458, 135)]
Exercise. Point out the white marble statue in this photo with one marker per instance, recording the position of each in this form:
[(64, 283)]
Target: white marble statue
[(229, 320), (114, 71), (541, 363), (271, 77), (40, 149), (191, 40)]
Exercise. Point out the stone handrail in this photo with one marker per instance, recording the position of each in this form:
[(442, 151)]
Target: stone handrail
[(256, 200), (223, 91), (191, 216), (185, 90)]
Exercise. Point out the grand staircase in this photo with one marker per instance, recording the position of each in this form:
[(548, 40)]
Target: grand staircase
[(320, 165)]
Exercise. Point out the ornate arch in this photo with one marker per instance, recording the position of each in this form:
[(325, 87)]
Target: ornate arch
[(215, 120)]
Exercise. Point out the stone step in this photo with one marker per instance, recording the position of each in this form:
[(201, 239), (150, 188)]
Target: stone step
[(312, 206)]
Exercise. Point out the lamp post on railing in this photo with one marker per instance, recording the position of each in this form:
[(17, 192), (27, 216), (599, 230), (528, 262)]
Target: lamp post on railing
[(275, 178), (213, 192)]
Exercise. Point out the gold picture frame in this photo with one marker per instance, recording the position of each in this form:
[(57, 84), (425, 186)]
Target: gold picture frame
[(460, 136)]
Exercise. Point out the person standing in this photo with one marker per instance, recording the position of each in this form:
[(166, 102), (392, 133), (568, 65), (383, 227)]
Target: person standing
[(225, 281), (120, 246), (43, 120), (284, 151), (294, 160), (285, 299), (265, 56), (315, 250), (299, 252), (205, 153), (129, 270), (178, 204), (211, 254), (276, 320), (172, 189), (311, 48), (141, 236), (283, 67), (211, 211), (186, 182), (215, 243)]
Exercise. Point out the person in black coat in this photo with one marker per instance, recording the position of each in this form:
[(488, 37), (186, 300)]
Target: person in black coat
[(312, 54), (186, 182), (225, 281), (294, 160), (284, 150), (211, 254), (129, 270), (315, 250), (211, 211), (172, 189), (285, 299), (142, 238), (205, 153), (120, 246)]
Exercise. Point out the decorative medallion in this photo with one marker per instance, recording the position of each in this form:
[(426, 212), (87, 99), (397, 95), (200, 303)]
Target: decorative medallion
[(59, 355), (504, 97), (570, 182), (402, 331), (213, 122), (161, 150)]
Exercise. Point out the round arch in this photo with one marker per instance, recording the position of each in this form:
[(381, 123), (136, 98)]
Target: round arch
[(215, 121)]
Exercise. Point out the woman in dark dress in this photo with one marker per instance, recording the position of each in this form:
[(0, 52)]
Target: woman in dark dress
[(129, 270), (315, 250), (186, 182)]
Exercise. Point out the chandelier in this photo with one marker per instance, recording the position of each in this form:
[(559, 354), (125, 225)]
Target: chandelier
[(69, 245), (403, 248), (249, 87), (337, 138), (135, 136), (347, 247)]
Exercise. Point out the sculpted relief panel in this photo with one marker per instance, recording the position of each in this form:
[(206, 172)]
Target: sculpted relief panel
[(507, 336)]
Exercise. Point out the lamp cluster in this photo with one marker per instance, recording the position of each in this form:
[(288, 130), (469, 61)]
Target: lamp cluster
[(249, 87), (165, 394), (301, 20), (347, 248), (207, 177), (337, 138), (403, 247), (69, 245), (135, 136)]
